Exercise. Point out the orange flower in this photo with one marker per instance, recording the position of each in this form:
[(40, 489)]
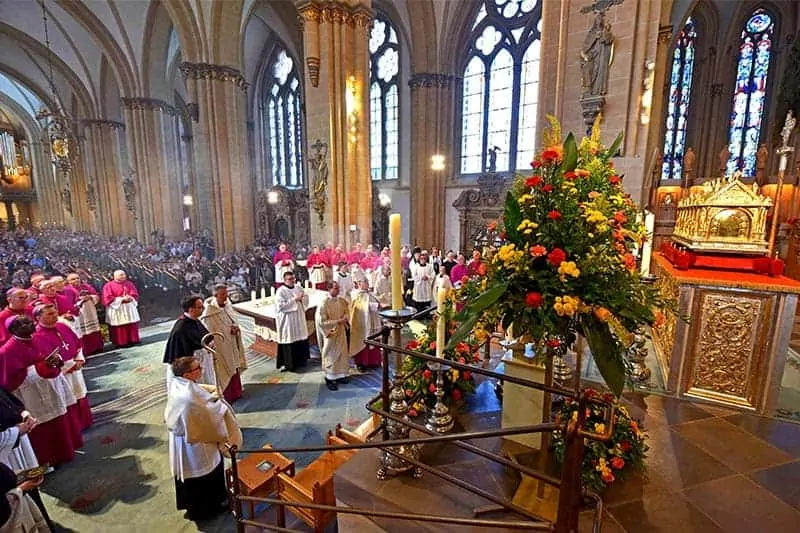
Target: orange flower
[(630, 262), (538, 250), (617, 463), (581, 173), (614, 180), (608, 477), (660, 319), (620, 217), (602, 314), (491, 226), (550, 156)]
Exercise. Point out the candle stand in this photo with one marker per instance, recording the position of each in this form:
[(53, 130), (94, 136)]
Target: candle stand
[(440, 419), (392, 464)]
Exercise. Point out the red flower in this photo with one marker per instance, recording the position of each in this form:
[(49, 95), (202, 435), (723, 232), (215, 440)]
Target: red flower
[(617, 463), (555, 214), (432, 387), (614, 180), (432, 346), (462, 347), (553, 343), (456, 394), (556, 256), (409, 393), (533, 299), (630, 262), (426, 374), (412, 413), (466, 374), (462, 360), (536, 163), (570, 176), (413, 345), (608, 477), (533, 181), (538, 250), (481, 269), (620, 217), (625, 446), (464, 279), (547, 188), (549, 156), (618, 235)]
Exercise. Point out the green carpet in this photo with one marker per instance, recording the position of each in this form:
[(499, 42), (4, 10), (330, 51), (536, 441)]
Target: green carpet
[(120, 482)]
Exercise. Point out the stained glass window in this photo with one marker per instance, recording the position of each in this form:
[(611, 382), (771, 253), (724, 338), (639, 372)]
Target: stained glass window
[(755, 48), (500, 90), (384, 61), (283, 122), (680, 90)]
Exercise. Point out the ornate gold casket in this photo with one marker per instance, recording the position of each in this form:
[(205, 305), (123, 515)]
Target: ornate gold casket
[(726, 216)]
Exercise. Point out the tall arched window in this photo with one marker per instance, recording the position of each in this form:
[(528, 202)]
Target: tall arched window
[(749, 95), (501, 86), (680, 89), (384, 68), (283, 121)]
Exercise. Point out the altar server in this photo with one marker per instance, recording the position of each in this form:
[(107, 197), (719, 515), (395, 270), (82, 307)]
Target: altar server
[(422, 273), (54, 335), (87, 323), (185, 339), (364, 321), (199, 425), (292, 330), (36, 379), (332, 322), (121, 300), (219, 317)]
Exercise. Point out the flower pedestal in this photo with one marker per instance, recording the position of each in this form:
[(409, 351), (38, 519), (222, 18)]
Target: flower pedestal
[(523, 406)]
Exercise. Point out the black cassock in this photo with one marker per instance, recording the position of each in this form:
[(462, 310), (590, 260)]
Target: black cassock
[(184, 338)]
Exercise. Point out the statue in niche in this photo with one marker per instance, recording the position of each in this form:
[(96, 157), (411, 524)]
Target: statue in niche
[(91, 197), (491, 165), (724, 156), (688, 162), (319, 182), (596, 56), (129, 190), (66, 199), (761, 162)]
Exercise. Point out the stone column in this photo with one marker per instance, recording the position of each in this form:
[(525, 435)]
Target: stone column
[(107, 202), (150, 136), (224, 193), (432, 97), (10, 218), (49, 210), (336, 97)]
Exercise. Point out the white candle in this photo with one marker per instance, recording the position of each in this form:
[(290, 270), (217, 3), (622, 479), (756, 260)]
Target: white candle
[(647, 250), (397, 280), (272, 291), (783, 163), (263, 292), (252, 296), (441, 322)]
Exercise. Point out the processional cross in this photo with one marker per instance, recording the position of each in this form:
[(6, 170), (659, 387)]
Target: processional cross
[(783, 152)]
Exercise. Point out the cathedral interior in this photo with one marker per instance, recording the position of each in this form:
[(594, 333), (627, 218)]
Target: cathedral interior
[(236, 125)]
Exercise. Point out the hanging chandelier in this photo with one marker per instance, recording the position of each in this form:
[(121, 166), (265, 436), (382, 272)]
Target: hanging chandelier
[(56, 132)]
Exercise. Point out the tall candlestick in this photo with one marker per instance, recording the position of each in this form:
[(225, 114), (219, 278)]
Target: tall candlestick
[(783, 151), (441, 321), (397, 270)]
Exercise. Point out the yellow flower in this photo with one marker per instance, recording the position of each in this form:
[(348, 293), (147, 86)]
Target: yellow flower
[(599, 427), (525, 198), (527, 227), (568, 268), (454, 374), (566, 305)]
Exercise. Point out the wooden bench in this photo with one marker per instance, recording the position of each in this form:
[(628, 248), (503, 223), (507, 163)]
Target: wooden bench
[(359, 434), (314, 484)]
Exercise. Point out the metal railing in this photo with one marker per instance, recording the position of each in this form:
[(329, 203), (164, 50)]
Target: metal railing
[(571, 494)]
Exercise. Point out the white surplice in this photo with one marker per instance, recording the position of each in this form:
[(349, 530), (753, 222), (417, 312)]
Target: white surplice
[(422, 287), (290, 322)]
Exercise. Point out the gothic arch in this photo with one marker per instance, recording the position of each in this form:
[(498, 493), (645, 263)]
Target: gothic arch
[(423, 45), (225, 20), (155, 42), (193, 44), (456, 33)]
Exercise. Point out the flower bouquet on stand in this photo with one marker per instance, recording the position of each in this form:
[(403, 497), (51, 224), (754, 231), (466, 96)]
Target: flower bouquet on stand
[(605, 462), (565, 263)]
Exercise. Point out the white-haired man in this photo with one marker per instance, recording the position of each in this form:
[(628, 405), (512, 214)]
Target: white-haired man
[(121, 300)]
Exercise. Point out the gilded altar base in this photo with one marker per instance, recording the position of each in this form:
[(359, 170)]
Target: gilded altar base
[(732, 350)]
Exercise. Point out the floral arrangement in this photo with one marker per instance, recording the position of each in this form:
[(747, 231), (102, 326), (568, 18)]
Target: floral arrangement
[(605, 462), (422, 383), (565, 260)]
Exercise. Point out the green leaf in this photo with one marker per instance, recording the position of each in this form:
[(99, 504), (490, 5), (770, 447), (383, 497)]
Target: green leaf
[(473, 312), (570, 153), (612, 150), (605, 354), (512, 216)]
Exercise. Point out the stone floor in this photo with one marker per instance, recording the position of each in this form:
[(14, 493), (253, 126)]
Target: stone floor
[(710, 469)]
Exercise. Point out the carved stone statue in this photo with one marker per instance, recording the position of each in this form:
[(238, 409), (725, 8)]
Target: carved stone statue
[(319, 183), (66, 199), (788, 127), (688, 162), (761, 162), (91, 197), (596, 56), (491, 165), (724, 156), (129, 190)]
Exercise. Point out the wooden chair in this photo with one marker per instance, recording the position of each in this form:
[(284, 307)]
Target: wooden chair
[(314, 484)]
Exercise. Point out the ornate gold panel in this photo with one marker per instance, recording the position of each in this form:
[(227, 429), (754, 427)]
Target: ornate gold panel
[(729, 345), (664, 331)]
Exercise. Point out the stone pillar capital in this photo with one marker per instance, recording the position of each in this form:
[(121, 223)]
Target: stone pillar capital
[(334, 12), (102, 123), (207, 71), (147, 104)]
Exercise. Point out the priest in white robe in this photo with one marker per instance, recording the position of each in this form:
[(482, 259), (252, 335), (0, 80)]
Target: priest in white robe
[(364, 321), (383, 287), (121, 300), (219, 317), (199, 423), (292, 330), (332, 320)]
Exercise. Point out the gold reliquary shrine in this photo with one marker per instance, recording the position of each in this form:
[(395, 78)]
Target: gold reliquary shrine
[(725, 216)]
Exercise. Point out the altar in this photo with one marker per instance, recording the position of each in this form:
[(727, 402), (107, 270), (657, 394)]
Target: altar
[(262, 310), (733, 349)]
